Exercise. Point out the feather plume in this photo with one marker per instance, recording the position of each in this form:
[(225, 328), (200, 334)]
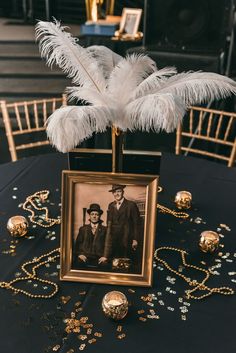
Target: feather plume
[(198, 87), (155, 112), (128, 74), (88, 95), (129, 93), (106, 58), (60, 48), (153, 81), (68, 126)]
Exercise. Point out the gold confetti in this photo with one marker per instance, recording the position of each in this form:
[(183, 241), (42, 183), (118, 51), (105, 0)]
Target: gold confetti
[(98, 334), (83, 319), (82, 337), (82, 293), (89, 331), (142, 319), (119, 328), (121, 336), (56, 348), (141, 311), (144, 298), (77, 310), (81, 347), (93, 340), (64, 300), (130, 290)]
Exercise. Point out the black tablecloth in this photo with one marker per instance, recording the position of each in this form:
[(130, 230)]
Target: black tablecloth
[(37, 326)]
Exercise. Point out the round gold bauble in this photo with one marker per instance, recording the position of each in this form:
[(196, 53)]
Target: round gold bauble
[(17, 226), (209, 241), (115, 305), (183, 200)]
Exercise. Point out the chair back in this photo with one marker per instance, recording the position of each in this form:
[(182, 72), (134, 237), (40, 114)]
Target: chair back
[(216, 127), (27, 119)]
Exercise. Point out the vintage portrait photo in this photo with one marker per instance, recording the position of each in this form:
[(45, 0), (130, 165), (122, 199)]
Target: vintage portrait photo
[(110, 227), (130, 21)]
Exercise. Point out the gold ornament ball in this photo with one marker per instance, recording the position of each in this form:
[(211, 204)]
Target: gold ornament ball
[(17, 226), (115, 305), (183, 200), (209, 241)]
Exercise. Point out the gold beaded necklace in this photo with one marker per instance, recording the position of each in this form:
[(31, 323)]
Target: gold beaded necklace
[(176, 214), (165, 209), (33, 200), (37, 262), (198, 286)]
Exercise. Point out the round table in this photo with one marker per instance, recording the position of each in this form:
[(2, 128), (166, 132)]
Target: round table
[(33, 325)]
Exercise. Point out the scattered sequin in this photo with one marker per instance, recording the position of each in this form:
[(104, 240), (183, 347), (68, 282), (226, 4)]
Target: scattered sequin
[(122, 336)]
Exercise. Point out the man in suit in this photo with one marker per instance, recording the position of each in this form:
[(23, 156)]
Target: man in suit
[(90, 242), (123, 225)]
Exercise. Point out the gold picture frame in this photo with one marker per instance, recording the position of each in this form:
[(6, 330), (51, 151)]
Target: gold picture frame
[(128, 261), (130, 20)]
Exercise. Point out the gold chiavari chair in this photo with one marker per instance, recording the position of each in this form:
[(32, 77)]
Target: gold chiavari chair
[(24, 119), (216, 127)]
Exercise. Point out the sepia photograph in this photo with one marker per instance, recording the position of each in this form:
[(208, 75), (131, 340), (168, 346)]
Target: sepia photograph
[(130, 20), (107, 231)]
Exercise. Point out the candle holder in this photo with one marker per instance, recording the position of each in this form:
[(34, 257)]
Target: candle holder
[(209, 241), (183, 200), (115, 305), (17, 226)]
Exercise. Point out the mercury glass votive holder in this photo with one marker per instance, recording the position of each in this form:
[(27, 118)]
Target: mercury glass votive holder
[(115, 305)]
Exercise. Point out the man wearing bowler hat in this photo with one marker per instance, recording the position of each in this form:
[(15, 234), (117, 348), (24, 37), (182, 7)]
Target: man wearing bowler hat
[(90, 242), (123, 225)]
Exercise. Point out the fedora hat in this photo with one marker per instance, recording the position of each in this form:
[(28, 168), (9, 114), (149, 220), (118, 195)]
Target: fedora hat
[(117, 187), (95, 207)]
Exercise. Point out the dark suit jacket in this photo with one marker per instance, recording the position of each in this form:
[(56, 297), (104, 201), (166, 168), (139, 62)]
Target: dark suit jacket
[(89, 244), (123, 228)]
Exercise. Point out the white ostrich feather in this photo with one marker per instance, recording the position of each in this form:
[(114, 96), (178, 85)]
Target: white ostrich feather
[(197, 87), (68, 126), (106, 58), (155, 112), (87, 95), (128, 74), (60, 48), (153, 81), (129, 93)]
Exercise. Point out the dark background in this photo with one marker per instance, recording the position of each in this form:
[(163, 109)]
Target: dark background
[(191, 35)]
